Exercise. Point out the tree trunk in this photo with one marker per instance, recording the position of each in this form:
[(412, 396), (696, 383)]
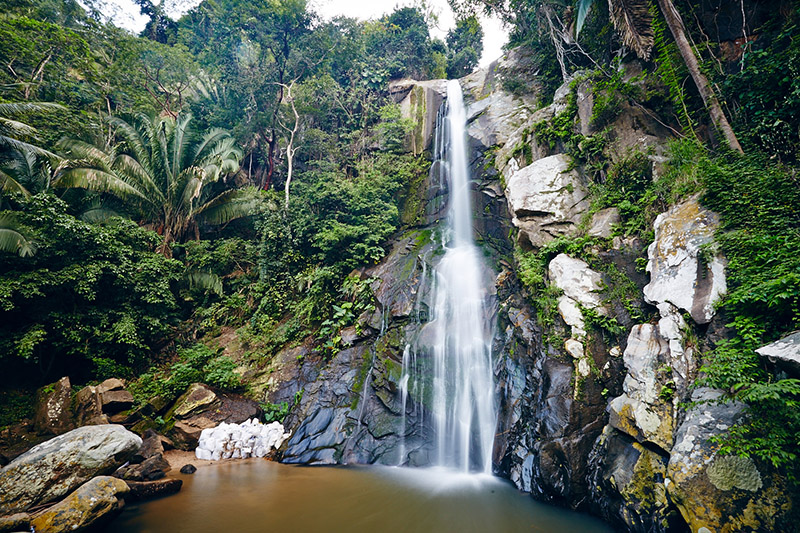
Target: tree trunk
[(676, 26)]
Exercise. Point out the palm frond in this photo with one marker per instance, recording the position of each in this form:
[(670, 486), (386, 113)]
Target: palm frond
[(16, 144), (210, 139), (180, 138), (13, 109), (137, 173), (85, 152), (98, 214), (204, 281), (13, 237), (633, 21), (96, 180), (16, 128), (229, 205), (10, 185), (136, 139)]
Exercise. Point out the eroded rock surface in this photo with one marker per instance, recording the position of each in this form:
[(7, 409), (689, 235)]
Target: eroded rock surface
[(784, 352), (53, 408)]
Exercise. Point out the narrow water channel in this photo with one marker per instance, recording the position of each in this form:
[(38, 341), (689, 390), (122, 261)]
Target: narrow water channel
[(258, 495)]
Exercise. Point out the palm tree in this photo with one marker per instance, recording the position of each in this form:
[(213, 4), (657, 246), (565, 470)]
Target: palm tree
[(13, 237), (12, 130), (632, 19), (24, 171), (163, 172)]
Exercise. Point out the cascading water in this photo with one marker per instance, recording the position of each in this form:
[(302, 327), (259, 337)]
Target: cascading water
[(463, 405)]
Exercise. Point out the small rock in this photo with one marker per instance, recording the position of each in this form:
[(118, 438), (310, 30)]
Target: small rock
[(95, 502), (188, 469), (53, 408), (151, 445), (147, 490)]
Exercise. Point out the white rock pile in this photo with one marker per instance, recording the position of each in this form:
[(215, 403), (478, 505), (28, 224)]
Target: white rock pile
[(239, 441)]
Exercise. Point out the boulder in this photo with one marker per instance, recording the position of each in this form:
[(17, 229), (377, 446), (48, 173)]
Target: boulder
[(56, 467), (188, 469), (683, 271), (111, 384), (94, 503), (547, 200), (89, 407), (784, 352), (147, 490), (639, 412), (721, 493), (195, 399), (53, 408), (151, 445), (201, 408), (155, 467)]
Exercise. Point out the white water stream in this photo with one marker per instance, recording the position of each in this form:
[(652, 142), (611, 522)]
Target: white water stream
[(463, 406)]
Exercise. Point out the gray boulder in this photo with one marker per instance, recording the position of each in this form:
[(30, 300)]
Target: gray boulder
[(58, 466), (547, 200), (93, 503), (681, 273), (784, 352)]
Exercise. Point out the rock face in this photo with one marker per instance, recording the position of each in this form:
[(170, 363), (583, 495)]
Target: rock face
[(547, 200), (56, 467), (95, 502), (200, 408), (682, 272), (53, 412), (420, 102), (784, 352), (640, 412), (720, 493)]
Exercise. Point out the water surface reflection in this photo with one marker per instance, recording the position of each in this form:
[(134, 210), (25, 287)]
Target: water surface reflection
[(257, 495)]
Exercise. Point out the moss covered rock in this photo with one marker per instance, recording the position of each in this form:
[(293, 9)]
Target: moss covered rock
[(95, 502)]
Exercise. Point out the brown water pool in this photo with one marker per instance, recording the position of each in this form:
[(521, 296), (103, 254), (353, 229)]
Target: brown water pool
[(257, 495)]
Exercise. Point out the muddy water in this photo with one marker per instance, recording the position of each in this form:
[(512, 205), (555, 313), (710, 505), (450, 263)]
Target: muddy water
[(257, 495)]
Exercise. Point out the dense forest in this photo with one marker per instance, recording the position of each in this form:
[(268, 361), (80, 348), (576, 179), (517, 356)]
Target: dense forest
[(235, 170)]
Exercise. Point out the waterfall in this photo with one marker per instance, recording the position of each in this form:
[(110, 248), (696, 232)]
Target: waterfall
[(464, 411)]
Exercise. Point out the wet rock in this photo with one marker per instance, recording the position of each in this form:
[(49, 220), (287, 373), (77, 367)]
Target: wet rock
[(721, 493), (784, 352), (53, 408), (639, 412), (15, 522), (681, 272), (547, 200), (152, 468), (628, 484), (55, 467), (89, 407), (147, 490), (188, 469), (603, 223), (92, 504)]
